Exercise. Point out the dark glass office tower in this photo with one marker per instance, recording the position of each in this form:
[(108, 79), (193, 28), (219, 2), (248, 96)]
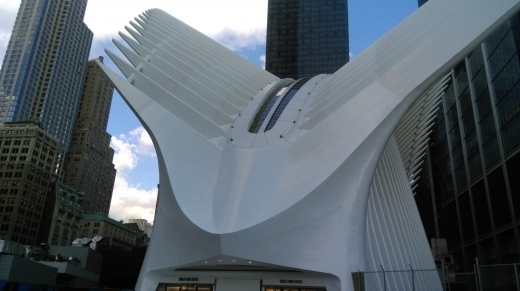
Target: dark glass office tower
[(474, 186), (44, 67), (306, 37)]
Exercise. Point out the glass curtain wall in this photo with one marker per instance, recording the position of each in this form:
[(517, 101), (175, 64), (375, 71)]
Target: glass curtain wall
[(306, 37), (475, 158)]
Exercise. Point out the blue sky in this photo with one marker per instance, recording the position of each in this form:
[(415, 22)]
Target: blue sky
[(238, 24)]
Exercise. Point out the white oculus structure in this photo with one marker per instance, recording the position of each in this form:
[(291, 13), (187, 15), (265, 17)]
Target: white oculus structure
[(267, 183)]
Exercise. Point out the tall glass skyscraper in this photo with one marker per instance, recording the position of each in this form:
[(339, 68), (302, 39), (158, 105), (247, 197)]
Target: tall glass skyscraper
[(475, 156), (306, 37), (44, 67)]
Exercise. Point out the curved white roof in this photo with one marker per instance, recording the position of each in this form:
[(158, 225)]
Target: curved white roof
[(316, 165)]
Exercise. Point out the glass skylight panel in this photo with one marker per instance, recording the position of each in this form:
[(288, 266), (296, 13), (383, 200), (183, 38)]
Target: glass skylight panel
[(266, 108), (286, 99)]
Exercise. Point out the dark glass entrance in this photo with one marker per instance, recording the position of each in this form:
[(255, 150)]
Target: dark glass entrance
[(292, 288), (184, 287)]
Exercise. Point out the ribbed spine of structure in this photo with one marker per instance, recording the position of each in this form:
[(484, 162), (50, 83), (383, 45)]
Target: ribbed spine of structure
[(207, 85), (412, 133), (359, 69), (395, 238)]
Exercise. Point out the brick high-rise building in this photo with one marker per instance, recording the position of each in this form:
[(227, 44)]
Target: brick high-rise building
[(43, 79), (27, 166), (62, 216), (88, 166), (142, 224), (119, 234)]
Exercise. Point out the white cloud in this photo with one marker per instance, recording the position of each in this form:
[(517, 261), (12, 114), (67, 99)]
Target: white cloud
[(4, 40), (131, 200), (8, 11), (125, 158), (144, 146), (262, 59), (10, 5), (234, 39), (211, 17), (230, 21)]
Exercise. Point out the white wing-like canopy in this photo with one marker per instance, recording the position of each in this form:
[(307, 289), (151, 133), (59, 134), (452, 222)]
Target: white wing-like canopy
[(190, 91), (195, 78), (358, 133)]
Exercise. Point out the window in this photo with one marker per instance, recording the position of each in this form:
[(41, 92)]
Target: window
[(286, 99), (267, 105)]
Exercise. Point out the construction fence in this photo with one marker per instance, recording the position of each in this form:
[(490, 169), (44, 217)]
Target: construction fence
[(503, 277)]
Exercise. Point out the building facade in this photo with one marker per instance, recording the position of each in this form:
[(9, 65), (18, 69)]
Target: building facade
[(143, 225), (306, 37), (473, 181), (28, 166), (19, 269), (62, 216), (88, 164), (119, 234), (44, 66), (142, 238), (78, 267)]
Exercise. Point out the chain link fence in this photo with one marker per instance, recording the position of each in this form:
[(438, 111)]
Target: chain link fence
[(498, 277), (504, 277), (404, 280), (460, 282)]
